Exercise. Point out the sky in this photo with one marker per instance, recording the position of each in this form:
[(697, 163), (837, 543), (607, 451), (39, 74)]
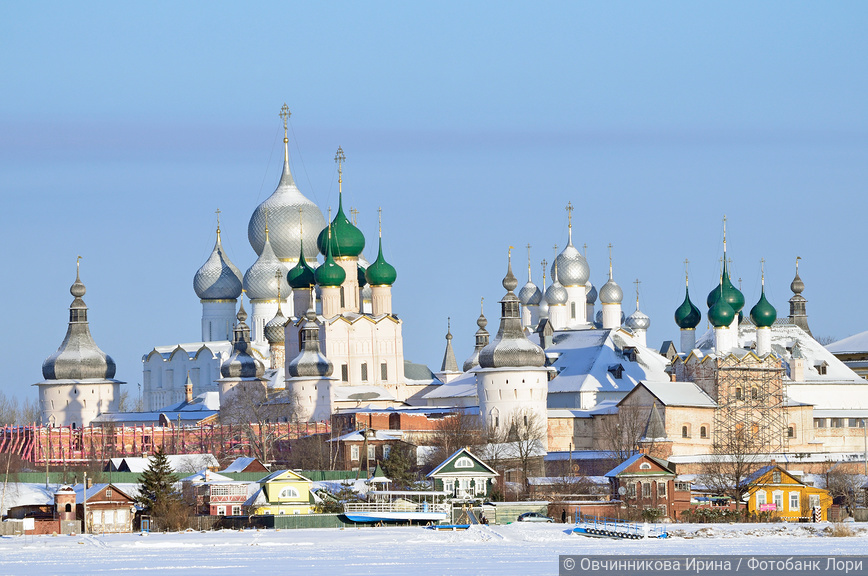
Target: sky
[(124, 126)]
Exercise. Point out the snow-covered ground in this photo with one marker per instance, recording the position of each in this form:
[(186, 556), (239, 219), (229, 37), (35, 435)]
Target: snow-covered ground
[(516, 549)]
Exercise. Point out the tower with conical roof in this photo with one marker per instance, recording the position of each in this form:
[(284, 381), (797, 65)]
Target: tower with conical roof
[(263, 282), (79, 382), (638, 321), (611, 296), (687, 317), (218, 285), (330, 277), (449, 367), (274, 333), (798, 303), (482, 339), (301, 276), (763, 315), (530, 297), (512, 380), (242, 368), (309, 375), (283, 208), (573, 274), (380, 276), (345, 242), (726, 337)]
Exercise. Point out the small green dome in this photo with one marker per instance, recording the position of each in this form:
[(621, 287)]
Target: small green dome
[(381, 273), (763, 314), (687, 315), (329, 273), (721, 313), (301, 275), (731, 294), (361, 277), (346, 241)]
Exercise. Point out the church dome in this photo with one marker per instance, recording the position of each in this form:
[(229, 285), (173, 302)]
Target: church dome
[(763, 313), (329, 273), (346, 239), (78, 356), (611, 293), (241, 364), (721, 314), (731, 294), (572, 267), (218, 278), (797, 286), (687, 315), (529, 295), (381, 273), (638, 320), (591, 296), (274, 329), (282, 210), (310, 363), (556, 293), (301, 276), (261, 280)]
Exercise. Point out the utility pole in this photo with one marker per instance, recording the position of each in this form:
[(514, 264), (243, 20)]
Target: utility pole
[(84, 500)]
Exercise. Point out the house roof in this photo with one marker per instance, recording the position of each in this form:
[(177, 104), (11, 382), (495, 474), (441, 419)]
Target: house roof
[(239, 464), (614, 472), (850, 345), (359, 436), (178, 462), (288, 475), (753, 478), (457, 454), (81, 494), (679, 394)]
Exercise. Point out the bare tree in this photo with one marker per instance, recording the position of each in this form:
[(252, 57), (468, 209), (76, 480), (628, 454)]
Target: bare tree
[(526, 434), (126, 404), (737, 455), (455, 431), (250, 409), (620, 433), (843, 486)]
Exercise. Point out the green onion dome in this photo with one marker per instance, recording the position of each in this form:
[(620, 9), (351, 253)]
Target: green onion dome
[(731, 294), (721, 314), (381, 273), (687, 315), (346, 239), (763, 314), (301, 276), (329, 273)]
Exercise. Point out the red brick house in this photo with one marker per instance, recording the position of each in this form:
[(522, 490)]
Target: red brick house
[(644, 482)]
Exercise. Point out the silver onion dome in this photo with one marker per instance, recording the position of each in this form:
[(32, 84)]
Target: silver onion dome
[(274, 329), (511, 348), (218, 278), (282, 210), (78, 356), (529, 295), (241, 363), (638, 320), (591, 296), (556, 294), (611, 293), (310, 363), (572, 267), (261, 280)]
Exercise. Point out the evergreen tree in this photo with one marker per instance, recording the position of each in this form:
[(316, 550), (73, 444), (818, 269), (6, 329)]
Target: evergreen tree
[(158, 495), (399, 467)]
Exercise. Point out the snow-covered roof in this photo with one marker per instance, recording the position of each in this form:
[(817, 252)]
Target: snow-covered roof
[(358, 436), (462, 387), (239, 464), (578, 455), (206, 477), (178, 462), (207, 401), (679, 394), (585, 358), (605, 407), (786, 336), (850, 345), (81, 494)]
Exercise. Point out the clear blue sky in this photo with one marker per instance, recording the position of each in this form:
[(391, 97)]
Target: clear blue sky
[(123, 127)]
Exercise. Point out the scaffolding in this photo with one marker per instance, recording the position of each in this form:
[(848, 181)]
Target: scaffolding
[(751, 414)]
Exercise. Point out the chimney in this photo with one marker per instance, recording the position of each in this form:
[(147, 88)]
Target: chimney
[(88, 483)]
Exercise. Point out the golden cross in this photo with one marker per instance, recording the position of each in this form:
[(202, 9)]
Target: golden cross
[(285, 114), (570, 213), (277, 277)]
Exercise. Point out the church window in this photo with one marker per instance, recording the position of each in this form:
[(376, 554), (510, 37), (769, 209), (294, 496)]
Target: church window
[(819, 422), (345, 373), (343, 302), (464, 462), (515, 393), (685, 431), (738, 393), (791, 432), (525, 419), (68, 507), (703, 432), (573, 310), (837, 422), (384, 371), (364, 371), (754, 393)]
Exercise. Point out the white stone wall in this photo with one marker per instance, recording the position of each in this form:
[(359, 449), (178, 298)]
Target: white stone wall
[(77, 402), (218, 318), (505, 391)]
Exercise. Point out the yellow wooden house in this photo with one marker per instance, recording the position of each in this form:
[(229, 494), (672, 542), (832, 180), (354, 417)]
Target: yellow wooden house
[(773, 489), (282, 492)]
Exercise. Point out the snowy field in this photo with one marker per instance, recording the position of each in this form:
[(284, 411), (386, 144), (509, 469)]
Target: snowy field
[(516, 549)]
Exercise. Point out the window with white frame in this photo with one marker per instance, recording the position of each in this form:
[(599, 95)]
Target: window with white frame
[(794, 502), (386, 450), (221, 510), (448, 485), (372, 452), (644, 466), (236, 510), (646, 490), (661, 489), (354, 452), (464, 462), (778, 498), (760, 498), (631, 490), (288, 492)]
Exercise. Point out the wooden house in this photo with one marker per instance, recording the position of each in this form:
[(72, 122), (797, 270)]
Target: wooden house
[(645, 482), (282, 492), (464, 476), (108, 508), (773, 489), (215, 494)]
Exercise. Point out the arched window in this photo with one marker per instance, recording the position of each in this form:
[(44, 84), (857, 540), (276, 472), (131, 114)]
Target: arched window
[(703, 432), (68, 507), (644, 466), (685, 431), (288, 492), (464, 462), (791, 431)]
